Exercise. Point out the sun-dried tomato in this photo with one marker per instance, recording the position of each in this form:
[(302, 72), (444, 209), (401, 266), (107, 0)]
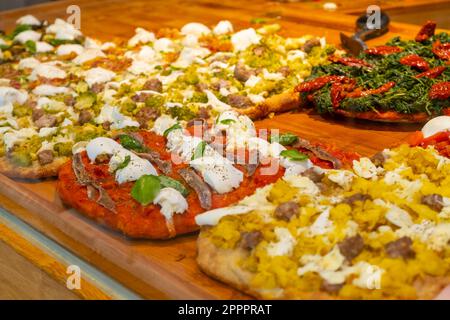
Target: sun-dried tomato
[(440, 90), (441, 50), (415, 61), (349, 61), (426, 31), (318, 83), (432, 73), (383, 50), (363, 93), (340, 90)]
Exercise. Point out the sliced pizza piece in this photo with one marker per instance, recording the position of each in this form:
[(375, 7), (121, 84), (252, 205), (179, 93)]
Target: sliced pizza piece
[(377, 231), (151, 184), (402, 81)]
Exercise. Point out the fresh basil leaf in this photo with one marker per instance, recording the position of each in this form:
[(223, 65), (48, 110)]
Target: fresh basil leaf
[(125, 162), (20, 28), (293, 155), (174, 127), (199, 150), (227, 121), (31, 46), (167, 182), (285, 139), (130, 143), (145, 189)]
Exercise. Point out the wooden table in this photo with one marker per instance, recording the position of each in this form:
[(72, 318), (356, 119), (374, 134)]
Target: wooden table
[(167, 269)]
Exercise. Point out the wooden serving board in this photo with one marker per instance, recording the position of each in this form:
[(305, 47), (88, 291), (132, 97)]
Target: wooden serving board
[(167, 269)]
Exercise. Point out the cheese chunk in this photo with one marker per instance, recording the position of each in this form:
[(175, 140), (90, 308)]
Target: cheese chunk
[(171, 201)]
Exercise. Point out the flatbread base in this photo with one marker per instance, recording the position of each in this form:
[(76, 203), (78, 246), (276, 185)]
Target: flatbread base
[(388, 116), (35, 171), (283, 102), (223, 265)]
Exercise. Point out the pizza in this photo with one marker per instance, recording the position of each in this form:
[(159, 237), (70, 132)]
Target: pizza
[(379, 230), (59, 87), (152, 184), (402, 81)]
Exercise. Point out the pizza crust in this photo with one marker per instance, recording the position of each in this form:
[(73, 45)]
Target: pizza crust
[(223, 265), (35, 171), (388, 116), (283, 102)]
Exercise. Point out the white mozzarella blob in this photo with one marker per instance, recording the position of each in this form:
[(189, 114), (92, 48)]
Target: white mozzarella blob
[(100, 146), (163, 123), (98, 75), (436, 125), (365, 168), (285, 244), (212, 217), (141, 36), (195, 28), (189, 56), (48, 71), (136, 168), (218, 172), (118, 120), (87, 55), (171, 201), (42, 46), (45, 132), (28, 63), (49, 90), (215, 103), (64, 30), (223, 27), (252, 81), (9, 95), (11, 138), (66, 49), (28, 20), (322, 224), (29, 35), (163, 45), (243, 39)]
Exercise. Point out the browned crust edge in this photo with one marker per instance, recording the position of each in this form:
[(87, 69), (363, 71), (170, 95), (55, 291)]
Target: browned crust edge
[(283, 102), (35, 171), (222, 264)]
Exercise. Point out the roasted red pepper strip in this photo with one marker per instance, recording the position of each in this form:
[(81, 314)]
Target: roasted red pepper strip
[(440, 90), (318, 83), (349, 61), (415, 61), (363, 93), (432, 73), (426, 31), (441, 50), (383, 50)]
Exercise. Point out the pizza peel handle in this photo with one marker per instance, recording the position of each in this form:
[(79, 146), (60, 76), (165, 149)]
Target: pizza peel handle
[(355, 44)]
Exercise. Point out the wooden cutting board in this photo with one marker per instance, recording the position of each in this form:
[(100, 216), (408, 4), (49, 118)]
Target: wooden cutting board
[(167, 269)]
